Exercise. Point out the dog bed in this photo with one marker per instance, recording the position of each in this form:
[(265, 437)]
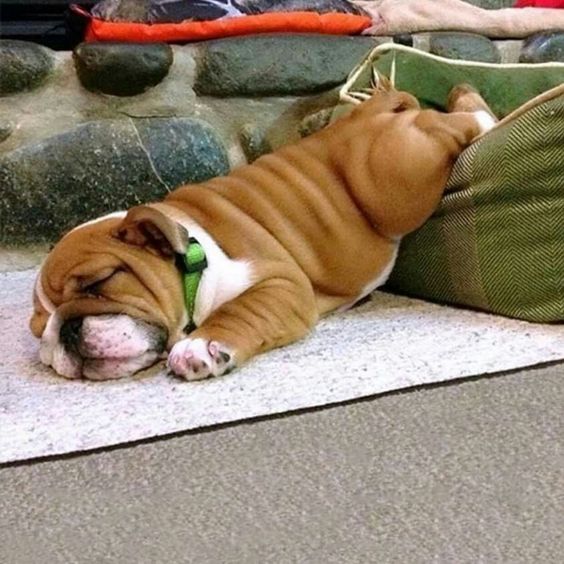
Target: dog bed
[(186, 20), (496, 243)]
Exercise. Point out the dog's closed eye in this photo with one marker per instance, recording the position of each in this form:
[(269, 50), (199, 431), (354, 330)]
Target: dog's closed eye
[(92, 285), (94, 289)]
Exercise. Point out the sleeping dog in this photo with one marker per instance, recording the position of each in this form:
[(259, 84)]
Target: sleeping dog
[(224, 270)]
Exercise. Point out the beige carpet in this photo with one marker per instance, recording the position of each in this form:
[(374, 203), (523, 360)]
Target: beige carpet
[(386, 344)]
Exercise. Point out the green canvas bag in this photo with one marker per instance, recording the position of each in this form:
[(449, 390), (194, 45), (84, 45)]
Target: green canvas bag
[(496, 242)]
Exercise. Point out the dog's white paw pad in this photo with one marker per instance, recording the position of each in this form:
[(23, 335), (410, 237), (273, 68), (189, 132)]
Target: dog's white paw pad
[(196, 359)]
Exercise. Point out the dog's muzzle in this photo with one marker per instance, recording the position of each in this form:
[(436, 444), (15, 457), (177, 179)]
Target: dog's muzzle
[(101, 347)]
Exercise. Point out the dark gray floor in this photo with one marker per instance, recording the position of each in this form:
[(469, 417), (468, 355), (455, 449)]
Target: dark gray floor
[(466, 472)]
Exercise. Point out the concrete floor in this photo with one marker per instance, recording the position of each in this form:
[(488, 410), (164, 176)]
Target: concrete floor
[(467, 472)]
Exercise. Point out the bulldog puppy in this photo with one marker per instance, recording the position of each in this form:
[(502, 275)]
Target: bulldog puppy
[(309, 229)]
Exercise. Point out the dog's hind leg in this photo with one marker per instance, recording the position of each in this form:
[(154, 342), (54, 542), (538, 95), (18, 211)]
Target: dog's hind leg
[(468, 117), (466, 99), (276, 311)]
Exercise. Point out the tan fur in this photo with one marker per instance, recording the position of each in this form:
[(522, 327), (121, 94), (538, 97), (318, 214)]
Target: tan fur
[(318, 220)]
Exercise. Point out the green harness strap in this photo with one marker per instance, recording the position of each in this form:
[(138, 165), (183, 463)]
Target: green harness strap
[(192, 265)]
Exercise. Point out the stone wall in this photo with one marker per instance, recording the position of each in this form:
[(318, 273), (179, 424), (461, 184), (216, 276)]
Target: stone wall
[(112, 125)]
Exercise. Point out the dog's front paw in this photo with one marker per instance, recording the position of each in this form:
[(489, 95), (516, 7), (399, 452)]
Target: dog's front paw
[(196, 359)]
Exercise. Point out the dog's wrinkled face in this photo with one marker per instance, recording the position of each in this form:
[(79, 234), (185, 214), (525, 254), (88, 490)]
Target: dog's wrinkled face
[(102, 347), (108, 300)]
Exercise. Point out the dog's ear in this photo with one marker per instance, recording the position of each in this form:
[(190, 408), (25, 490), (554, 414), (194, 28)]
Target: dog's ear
[(150, 228)]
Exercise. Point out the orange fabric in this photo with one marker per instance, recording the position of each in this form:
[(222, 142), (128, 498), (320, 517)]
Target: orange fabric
[(279, 22)]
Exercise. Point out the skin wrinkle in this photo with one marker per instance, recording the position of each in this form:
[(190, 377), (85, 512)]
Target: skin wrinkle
[(361, 173), (71, 268), (325, 174), (67, 285), (292, 236), (96, 282), (151, 282), (300, 177), (308, 191), (78, 279), (130, 258), (141, 303), (247, 311), (162, 303), (265, 234)]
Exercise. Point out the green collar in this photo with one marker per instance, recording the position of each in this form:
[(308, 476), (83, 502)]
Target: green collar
[(192, 265)]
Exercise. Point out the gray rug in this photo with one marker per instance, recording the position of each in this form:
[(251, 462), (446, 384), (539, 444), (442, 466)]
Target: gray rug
[(386, 344)]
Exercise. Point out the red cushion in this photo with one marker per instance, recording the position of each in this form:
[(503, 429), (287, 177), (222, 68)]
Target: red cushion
[(278, 22), (539, 4)]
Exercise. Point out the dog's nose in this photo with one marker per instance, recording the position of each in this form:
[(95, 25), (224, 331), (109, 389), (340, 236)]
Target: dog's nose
[(70, 333)]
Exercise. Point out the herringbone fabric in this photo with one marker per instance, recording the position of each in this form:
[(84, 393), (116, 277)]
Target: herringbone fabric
[(497, 241)]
